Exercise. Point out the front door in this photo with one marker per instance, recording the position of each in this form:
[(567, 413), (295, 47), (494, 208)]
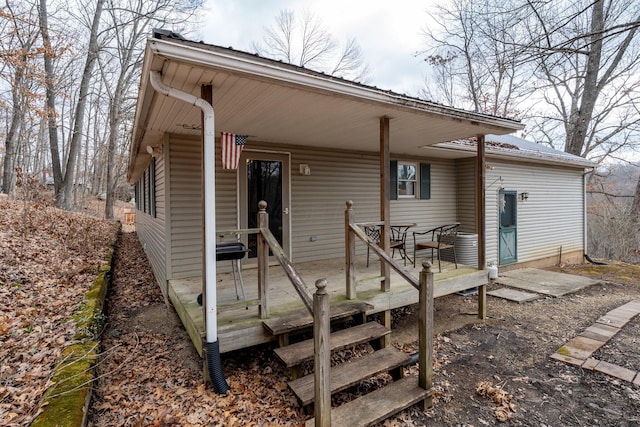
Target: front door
[(507, 246), (265, 176)]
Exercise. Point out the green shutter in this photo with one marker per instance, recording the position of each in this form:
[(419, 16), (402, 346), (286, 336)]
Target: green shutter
[(393, 180), (425, 181)]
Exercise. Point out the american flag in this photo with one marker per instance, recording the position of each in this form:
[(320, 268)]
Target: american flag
[(232, 146)]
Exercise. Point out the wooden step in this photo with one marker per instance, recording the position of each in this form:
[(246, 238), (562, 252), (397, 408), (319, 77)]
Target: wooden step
[(303, 319), (295, 354), (378, 405), (351, 373)]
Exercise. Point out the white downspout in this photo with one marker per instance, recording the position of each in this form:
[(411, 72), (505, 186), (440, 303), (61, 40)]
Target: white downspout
[(585, 245), (209, 247)]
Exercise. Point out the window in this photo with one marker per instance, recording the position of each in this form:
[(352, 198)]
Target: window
[(410, 180), (152, 188), (136, 198), (146, 191), (407, 180)]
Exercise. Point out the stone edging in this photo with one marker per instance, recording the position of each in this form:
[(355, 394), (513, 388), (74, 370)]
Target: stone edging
[(578, 351), (66, 401)]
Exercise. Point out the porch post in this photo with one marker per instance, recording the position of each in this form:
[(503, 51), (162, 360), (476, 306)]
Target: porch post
[(263, 260), (349, 252), (322, 354), (425, 331), (481, 221), (385, 193), (385, 215), (480, 202)]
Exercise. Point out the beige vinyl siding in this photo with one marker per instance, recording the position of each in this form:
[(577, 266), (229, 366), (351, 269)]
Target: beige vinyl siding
[(551, 218), (151, 231), (186, 205), (466, 190), (439, 210), (318, 203), (317, 200)]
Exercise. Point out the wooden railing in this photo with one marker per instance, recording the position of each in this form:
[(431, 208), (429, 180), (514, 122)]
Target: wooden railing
[(318, 303), (321, 331), (353, 230), (266, 242)]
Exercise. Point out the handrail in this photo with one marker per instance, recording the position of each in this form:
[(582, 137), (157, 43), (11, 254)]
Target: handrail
[(265, 235), (287, 266), (385, 256), (222, 233)]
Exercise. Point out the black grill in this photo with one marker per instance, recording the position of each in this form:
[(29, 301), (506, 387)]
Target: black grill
[(230, 251)]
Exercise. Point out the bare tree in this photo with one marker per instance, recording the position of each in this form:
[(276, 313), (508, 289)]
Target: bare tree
[(64, 196), (576, 61), (306, 42), (589, 61), (129, 23), (474, 49), (580, 60), (49, 53), (587, 58), (17, 53)]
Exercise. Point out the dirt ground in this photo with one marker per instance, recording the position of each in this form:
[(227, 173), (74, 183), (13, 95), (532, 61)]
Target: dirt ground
[(512, 348), (485, 371)]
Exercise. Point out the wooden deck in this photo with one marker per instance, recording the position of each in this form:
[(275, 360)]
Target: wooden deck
[(239, 325)]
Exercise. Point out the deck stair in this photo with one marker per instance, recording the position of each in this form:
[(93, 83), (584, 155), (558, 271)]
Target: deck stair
[(287, 326), (368, 409)]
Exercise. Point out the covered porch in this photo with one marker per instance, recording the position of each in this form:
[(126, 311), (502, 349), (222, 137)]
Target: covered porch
[(239, 321)]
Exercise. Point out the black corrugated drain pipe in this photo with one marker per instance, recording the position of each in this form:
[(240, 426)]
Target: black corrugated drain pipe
[(214, 366), (415, 357)]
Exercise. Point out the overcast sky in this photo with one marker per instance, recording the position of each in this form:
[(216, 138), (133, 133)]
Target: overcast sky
[(388, 32)]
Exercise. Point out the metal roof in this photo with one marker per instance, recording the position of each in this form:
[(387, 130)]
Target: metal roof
[(513, 147), (274, 102)]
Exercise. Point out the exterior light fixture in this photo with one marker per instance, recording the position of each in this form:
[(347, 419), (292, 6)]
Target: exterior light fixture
[(305, 169)]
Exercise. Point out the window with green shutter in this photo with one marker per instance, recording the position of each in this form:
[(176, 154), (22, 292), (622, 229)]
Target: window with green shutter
[(425, 181), (410, 180)]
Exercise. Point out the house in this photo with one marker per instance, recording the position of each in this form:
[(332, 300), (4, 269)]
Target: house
[(535, 201), (314, 142)]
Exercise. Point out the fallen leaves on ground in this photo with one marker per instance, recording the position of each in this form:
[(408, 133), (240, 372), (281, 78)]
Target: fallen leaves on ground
[(48, 261), (504, 409), (152, 376)]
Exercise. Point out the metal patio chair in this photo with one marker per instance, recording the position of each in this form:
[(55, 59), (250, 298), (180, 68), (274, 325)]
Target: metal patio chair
[(441, 238)]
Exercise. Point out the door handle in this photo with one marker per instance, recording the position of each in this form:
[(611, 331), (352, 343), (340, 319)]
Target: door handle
[(285, 211)]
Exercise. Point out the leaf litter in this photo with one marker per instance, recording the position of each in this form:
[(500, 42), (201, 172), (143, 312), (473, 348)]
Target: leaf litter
[(48, 261)]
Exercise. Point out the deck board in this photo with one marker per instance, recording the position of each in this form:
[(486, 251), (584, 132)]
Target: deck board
[(295, 354), (239, 327), (295, 322), (347, 374), (378, 405)]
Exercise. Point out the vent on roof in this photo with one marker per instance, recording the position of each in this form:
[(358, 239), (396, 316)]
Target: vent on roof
[(161, 32)]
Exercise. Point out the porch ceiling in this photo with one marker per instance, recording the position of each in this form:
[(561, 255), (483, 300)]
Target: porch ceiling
[(274, 102)]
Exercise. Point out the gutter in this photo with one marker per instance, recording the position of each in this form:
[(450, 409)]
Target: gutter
[(531, 156), (212, 346)]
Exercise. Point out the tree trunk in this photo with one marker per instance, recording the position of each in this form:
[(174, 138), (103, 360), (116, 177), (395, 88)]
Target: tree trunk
[(65, 200), (50, 99), (111, 148), (11, 142), (580, 119), (635, 208)]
